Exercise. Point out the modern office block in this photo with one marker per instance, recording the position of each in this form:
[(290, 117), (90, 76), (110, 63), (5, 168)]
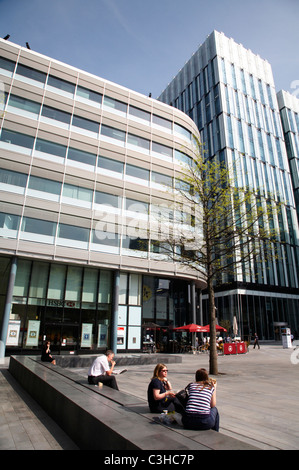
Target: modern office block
[(289, 111), (86, 168), (230, 94)]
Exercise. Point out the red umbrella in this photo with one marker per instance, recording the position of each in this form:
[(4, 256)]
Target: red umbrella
[(191, 328), (218, 328)]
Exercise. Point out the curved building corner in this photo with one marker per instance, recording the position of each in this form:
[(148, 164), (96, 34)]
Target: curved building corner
[(87, 170)]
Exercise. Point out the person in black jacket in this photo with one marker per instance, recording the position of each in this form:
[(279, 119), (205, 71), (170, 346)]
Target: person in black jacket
[(46, 354)]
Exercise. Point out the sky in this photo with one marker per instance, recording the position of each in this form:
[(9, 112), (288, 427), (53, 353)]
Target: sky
[(142, 44)]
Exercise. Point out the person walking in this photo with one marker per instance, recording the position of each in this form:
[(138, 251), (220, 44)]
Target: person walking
[(256, 341)]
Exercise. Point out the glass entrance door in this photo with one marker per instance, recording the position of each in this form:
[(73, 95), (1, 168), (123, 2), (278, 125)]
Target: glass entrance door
[(63, 337)]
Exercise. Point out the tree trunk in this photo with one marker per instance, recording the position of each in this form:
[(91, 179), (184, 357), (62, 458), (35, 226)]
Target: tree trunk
[(213, 345)]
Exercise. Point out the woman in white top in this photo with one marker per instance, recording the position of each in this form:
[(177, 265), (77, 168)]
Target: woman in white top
[(201, 412)]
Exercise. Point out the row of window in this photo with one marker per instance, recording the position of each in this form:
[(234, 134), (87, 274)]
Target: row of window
[(41, 280), (254, 141), (45, 231), (89, 158), (52, 149), (229, 74), (290, 120), (85, 93), (57, 189)]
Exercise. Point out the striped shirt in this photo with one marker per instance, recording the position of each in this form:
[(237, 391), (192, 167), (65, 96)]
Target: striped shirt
[(199, 400)]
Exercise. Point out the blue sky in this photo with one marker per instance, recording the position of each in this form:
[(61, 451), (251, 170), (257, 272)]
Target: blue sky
[(142, 44)]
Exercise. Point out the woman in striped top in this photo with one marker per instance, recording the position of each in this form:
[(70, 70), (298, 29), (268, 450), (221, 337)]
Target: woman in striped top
[(201, 411)]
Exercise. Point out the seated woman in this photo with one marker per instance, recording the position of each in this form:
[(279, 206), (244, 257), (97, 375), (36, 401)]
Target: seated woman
[(160, 394), (201, 412), (46, 354)]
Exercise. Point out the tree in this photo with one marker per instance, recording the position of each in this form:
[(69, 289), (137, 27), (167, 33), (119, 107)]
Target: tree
[(232, 227)]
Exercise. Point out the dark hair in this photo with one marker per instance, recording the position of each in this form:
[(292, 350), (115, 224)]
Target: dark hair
[(201, 375)]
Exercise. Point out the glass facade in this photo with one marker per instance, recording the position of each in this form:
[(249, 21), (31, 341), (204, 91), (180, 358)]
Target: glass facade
[(71, 306), (62, 300), (230, 94), (289, 111)]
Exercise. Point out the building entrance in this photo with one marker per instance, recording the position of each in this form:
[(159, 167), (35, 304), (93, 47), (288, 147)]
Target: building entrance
[(63, 337)]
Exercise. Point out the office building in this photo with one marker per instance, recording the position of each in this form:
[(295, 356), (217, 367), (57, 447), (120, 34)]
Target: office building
[(86, 169), (289, 111), (230, 94)]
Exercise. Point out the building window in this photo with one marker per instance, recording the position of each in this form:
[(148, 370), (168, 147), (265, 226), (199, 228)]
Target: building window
[(17, 138), (7, 64), (113, 133), (51, 148), (89, 94), (56, 282), (56, 114), (9, 221), (61, 84), (38, 280), (103, 237), (159, 121), (135, 286), (13, 178), (139, 113), (137, 172), (86, 124), (73, 283), (138, 141), (45, 185), (24, 104), (31, 73), (41, 227), (160, 178), (77, 192), (107, 199), (136, 206), (182, 131), (72, 232), (138, 244), (90, 283), (162, 149), (115, 104), (81, 156), (109, 164)]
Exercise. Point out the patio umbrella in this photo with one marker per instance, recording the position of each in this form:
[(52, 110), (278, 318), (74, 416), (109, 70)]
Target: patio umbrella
[(192, 328), (218, 328)]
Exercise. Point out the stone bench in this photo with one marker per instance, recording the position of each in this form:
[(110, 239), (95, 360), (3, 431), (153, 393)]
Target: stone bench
[(105, 419)]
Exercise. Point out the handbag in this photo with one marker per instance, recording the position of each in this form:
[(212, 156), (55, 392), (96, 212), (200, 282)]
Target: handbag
[(183, 396)]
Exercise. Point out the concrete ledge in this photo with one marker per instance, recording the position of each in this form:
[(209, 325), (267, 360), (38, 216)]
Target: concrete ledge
[(105, 419), (122, 360)]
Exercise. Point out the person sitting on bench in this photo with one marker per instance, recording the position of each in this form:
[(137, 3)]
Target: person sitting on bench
[(100, 371)]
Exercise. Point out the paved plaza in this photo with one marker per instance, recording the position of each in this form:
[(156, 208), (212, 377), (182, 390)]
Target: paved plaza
[(257, 398)]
